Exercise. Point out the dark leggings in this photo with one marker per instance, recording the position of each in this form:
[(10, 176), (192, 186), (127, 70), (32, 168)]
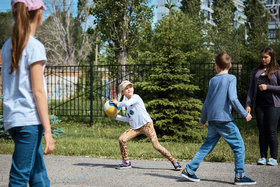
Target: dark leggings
[(267, 120)]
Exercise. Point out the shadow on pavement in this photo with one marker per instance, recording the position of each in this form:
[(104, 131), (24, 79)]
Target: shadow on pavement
[(116, 165), (164, 176), (181, 179), (217, 181), (95, 165)]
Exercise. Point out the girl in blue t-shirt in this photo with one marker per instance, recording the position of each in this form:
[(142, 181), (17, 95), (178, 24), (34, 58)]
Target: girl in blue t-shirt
[(25, 104)]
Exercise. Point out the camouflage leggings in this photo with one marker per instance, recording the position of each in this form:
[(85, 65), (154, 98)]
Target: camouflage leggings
[(150, 132)]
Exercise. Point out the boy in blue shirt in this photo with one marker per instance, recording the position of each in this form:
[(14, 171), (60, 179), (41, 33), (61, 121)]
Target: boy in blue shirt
[(221, 97)]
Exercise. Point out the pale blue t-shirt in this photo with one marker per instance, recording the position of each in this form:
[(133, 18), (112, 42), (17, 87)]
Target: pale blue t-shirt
[(19, 107)]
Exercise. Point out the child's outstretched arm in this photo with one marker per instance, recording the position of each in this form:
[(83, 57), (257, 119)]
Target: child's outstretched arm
[(37, 82), (119, 117), (232, 93), (133, 100)]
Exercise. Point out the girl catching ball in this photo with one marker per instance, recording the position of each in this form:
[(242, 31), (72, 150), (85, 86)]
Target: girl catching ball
[(140, 123)]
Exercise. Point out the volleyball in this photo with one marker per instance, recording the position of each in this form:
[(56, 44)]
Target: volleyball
[(111, 109)]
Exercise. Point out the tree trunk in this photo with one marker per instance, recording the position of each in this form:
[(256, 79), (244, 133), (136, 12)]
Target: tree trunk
[(123, 53), (123, 56)]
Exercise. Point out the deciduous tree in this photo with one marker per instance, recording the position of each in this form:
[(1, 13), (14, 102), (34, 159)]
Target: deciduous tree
[(64, 34), (120, 22)]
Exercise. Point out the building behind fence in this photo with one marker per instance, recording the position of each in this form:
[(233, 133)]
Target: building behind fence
[(80, 91)]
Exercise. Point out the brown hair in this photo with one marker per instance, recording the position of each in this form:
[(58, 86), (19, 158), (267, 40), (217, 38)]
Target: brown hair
[(223, 61), (21, 32), (273, 66)]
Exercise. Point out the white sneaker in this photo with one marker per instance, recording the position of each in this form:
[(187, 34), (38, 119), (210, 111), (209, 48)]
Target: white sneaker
[(262, 161), (124, 165), (272, 162)]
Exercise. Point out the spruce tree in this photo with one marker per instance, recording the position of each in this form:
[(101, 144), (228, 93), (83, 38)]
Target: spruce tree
[(170, 91)]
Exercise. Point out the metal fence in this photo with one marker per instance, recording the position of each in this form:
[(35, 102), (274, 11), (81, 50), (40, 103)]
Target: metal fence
[(80, 91), (203, 72)]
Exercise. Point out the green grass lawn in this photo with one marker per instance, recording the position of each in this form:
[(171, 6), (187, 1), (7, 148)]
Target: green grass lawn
[(101, 140)]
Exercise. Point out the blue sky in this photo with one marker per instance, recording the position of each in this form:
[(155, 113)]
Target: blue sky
[(5, 5)]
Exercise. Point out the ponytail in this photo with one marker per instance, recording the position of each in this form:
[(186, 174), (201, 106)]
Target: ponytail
[(122, 97), (21, 32)]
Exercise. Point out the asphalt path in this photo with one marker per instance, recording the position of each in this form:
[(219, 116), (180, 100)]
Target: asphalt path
[(73, 171)]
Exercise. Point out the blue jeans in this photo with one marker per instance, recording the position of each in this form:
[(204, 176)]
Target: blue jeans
[(28, 163), (231, 134)]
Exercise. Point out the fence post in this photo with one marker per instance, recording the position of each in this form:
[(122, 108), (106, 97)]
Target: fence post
[(91, 94)]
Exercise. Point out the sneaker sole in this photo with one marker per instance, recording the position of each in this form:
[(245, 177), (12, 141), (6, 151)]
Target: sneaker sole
[(245, 183), (177, 169), (261, 164), (129, 167), (191, 179), (272, 164)]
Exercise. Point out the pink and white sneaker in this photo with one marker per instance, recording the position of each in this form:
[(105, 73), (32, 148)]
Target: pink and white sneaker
[(125, 165)]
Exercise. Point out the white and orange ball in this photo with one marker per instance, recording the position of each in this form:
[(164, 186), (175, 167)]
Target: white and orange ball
[(110, 109)]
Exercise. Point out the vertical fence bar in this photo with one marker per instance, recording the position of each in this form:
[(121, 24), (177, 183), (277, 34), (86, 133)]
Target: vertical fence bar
[(91, 94)]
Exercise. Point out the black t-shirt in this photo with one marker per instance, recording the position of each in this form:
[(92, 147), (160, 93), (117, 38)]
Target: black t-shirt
[(264, 98)]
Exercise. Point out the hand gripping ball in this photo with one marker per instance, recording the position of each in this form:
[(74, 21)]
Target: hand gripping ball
[(111, 109)]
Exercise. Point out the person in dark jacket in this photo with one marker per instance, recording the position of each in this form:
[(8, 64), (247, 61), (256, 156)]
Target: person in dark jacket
[(264, 90)]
